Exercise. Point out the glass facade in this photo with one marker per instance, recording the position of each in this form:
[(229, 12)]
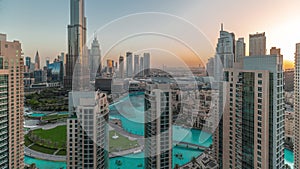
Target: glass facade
[(248, 120), (55, 72)]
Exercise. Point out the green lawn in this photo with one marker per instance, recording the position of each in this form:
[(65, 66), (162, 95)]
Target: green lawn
[(121, 143), (42, 149), (27, 141), (62, 152), (57, 137)]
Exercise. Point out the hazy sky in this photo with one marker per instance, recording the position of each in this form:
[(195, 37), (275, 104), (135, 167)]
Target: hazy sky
[(42, 25)]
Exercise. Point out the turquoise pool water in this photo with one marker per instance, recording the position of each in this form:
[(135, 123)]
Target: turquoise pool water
[(289, 157), (132, 161), (44, 164), (36, 115)]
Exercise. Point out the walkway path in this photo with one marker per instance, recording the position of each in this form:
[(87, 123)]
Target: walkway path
[(43, 156), (56, 151), (126, 152), (49, 126)]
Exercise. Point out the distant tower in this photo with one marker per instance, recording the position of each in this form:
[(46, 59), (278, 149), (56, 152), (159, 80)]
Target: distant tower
[(240, 49), (76, 40), (95, 59), (48, 62), (28, 62), (257, 44), (110, 67), (142, 66), (158, 126), (225, 53), (147, 63), (210, 67), (121, 67), (37, 61), (136, 64), (129, 68)]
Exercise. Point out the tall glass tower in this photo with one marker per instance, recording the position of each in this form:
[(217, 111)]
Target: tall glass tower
[(76, 40)]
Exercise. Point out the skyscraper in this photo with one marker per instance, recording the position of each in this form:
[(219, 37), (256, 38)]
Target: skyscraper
[(136, 64), (37, 61), (210, 67), (94, 59), (76, 40), (240, 49), (158, 126), (142, 66), (121, 67), (225, 53), (253, 118), (12, 105), (28, 62), (129, 68), (147, 63), (110, 67), (257, 44), (297, 106), (87, 131)]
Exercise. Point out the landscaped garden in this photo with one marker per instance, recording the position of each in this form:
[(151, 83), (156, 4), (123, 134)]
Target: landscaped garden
[(53, 141), (48, 141)]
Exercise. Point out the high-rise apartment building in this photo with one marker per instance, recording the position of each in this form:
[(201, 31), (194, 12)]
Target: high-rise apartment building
[(37, 61), (158, 126), (240, 49), (12, 104), (77, 53), (253, 117), (87, 131), (297, 106), (121, 67), (257, 44), (136, 64), (129, 68)]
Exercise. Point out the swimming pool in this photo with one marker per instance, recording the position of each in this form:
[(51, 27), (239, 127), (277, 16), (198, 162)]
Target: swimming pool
[(44, 164), (37, 115)]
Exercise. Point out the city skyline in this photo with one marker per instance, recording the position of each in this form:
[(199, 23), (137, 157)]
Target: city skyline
[(280, 28)]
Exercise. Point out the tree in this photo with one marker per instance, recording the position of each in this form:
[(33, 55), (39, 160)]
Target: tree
[(286, 166), (176, 166), (32, 166)]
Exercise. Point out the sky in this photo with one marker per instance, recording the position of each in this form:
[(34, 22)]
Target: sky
[(187, 30)]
